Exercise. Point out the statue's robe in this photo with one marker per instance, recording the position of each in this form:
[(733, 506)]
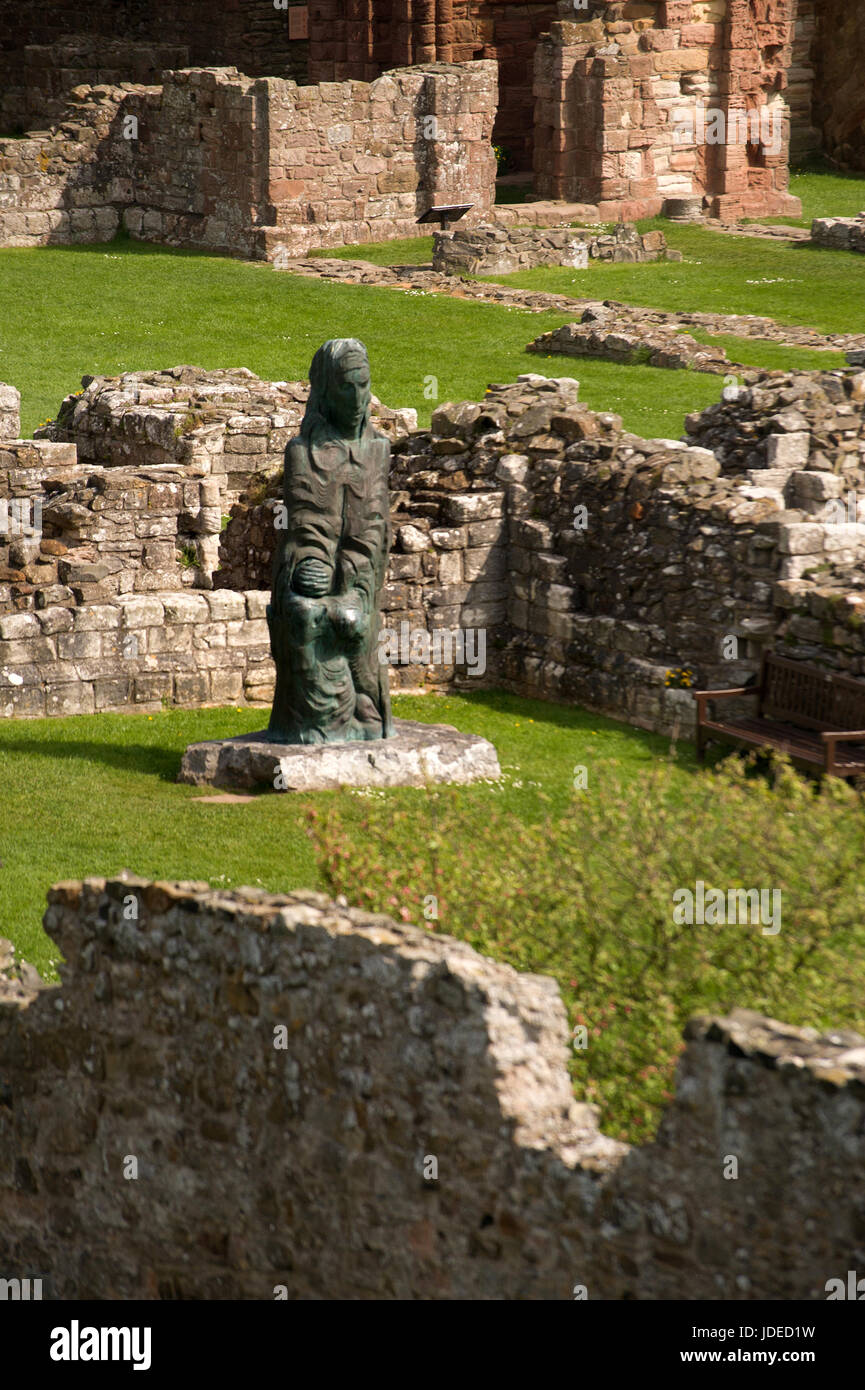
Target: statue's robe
[(335, 494)]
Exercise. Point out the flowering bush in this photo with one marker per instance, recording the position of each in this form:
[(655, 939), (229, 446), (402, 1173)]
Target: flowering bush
[(587, 896), (679, 678)]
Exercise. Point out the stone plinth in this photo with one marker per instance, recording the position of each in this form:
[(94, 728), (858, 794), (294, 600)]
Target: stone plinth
[(417, 755)]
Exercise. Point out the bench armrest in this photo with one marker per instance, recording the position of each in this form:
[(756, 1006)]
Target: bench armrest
[(725, 694), (846, 736)]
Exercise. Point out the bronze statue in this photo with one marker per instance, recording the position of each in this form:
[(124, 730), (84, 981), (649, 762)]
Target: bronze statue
[(329, 563)]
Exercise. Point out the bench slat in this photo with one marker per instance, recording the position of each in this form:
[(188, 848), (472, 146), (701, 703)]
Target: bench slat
[(797, 704)]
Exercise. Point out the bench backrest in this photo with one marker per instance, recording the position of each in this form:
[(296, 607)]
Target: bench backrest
[(796, 693)]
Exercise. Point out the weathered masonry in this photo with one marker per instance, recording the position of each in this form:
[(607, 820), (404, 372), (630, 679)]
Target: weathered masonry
[(253, 166), (279, 1069)]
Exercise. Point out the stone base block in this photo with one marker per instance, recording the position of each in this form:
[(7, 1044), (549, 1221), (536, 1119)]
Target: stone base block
[(417, 755)]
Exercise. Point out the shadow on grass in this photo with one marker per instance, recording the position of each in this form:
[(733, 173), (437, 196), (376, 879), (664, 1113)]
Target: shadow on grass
[(163, 763)]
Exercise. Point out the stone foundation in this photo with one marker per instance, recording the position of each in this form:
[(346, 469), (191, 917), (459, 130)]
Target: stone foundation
[(598, 335), (840, 233), (486, 250), (325, 1104)]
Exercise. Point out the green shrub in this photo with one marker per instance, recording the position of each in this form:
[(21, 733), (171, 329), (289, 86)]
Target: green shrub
[(588, 898)]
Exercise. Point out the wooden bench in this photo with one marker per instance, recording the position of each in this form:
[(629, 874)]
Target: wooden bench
[(814, 716)]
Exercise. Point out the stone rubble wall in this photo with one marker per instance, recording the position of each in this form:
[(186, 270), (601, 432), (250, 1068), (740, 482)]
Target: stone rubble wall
[(598, 335), (609, 87), (492, 250), (840, 233), (225, 424), (39, 90), (278, 1066), (134, 482), (101, 532), (352, 161), (47, 49), (134, 652), (686, 543), (70, 183), (806, 139), (838, 55), (346, 44), (253, 167), (733, 532)]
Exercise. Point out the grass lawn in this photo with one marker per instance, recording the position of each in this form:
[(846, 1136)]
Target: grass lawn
[(794, 283), (66, 311), (573, 885), (97, 793)]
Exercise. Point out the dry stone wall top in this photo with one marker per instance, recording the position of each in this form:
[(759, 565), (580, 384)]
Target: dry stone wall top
[(283, 1067)]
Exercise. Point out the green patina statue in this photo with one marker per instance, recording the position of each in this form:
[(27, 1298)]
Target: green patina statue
[(329, 563)]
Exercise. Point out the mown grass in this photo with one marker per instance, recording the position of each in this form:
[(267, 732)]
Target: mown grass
[(67, 311), (574, 884), (129, 306), (794, 283), (96, 793)]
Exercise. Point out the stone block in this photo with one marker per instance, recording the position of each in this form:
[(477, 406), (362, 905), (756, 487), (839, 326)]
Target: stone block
[(226, 686), (788, 450), (77, 698), (225, 604), (417, 755)]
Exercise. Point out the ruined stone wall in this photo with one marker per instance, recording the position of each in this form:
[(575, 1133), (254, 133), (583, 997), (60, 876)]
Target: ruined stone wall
[(200, 161), (47, 49), (10, 411), (352, 161), (40, 90), (125, 495), (363, 38), (495, 250), (68, 184), (840, 233), (260, 168), (838, 56), (134, 652), (282, 1070), (733, 533), (593, 561), (806, 138), (612, 91)]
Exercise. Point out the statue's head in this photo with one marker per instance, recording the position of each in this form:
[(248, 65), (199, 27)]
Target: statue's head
[(339, 388)]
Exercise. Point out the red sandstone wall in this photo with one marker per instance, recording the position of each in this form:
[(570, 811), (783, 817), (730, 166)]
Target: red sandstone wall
[(251, 35), (363, 38), (839, 87), (609, 91), (357, 162)]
